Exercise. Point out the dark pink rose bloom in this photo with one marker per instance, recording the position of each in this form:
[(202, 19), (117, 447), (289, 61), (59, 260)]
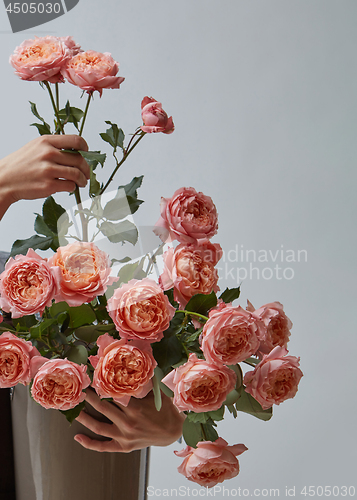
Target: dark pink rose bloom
[(211, 462), (155, 118), (140, 310), (190, 270), (200, 386), (27, 285), (58, 383), (15, 358), (43, 58), (92, 71), (122, 369), (275, 379), (187, 217)]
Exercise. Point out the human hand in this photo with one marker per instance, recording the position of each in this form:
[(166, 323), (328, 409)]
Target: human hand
[(134, 427), (40, 169)]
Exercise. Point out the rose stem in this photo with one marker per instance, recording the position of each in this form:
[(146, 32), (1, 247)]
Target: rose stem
[(125, 155), (203, 433), (57, 95), (54, 106), (85, 113), (193, 314)]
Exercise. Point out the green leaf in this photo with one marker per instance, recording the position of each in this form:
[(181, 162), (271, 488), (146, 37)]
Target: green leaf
[(132, 271), (217, 415), (35, 112), (210, 432), (247, 404), (254, 361), (232, 410), (93, 158), (35, 242), (90, 333), (71, 114), (81, 315), (42, 228), (231, 398), (238, 371), (160, 375), (114, 136), (118, 208), (157, 393), (78, 354), (192, 433), (37, 331), (43, 128), (73, 413), (120, 232), (200, 418), (52, 212), (201, 303), (58, 308), (230, 294), (94, 185), (176, 325), (167, 352), (133, 186)]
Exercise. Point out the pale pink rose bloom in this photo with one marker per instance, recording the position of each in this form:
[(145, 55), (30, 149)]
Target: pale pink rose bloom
[(27, 285), (83, 273), (71, 45), (155, 118), (92, 71), (187, 217), (275, 378), (200, 386), (58, 383), (277, 326), (211, 462), (140, 310), (42, 59), (122, 369), (230, 335), (15, 357), (190, 270)]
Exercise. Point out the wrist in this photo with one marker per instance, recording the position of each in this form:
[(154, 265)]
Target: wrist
[(6, 196)]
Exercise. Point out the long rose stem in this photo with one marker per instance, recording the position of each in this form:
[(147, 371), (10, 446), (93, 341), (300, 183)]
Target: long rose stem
[(54, 106), (125, 155), (85, 113)]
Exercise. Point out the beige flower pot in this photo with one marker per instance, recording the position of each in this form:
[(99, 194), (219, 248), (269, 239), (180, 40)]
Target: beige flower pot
[(50, 465)]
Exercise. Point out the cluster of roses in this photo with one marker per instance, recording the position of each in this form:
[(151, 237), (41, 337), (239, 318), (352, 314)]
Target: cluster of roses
[(54, 59), (141, 312)]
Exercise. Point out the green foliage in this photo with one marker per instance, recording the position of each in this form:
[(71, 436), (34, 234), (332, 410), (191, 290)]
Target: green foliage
[(78, 354), (131, 271), (167, 352), (230, 294), (73, 413), (114, 136), (247, 404), (43, 127), (81, 315), (157, 392), (193, 432), (70, 114), (93, 158), (202, 303)]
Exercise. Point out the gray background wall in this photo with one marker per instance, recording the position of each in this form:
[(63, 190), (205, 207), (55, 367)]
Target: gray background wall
[(263, 96)]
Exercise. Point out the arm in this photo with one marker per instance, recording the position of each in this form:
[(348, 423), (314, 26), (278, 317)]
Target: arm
[(40, 169), (133, 427)]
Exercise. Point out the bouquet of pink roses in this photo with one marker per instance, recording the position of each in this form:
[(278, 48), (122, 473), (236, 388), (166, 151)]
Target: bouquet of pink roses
[(68, 323)]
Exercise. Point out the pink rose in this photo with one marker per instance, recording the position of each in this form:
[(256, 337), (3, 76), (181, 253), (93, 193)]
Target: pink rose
[(43, 58), (140, 310), (187, 216), (58, 383), (200, 386), (154, 117), (92, 71), (190, 270), (71, 45), (275, 378), (15, 357), (278, 325), (230, 335), (122, 369), (211, 462), (83, 273), (27, 285)]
